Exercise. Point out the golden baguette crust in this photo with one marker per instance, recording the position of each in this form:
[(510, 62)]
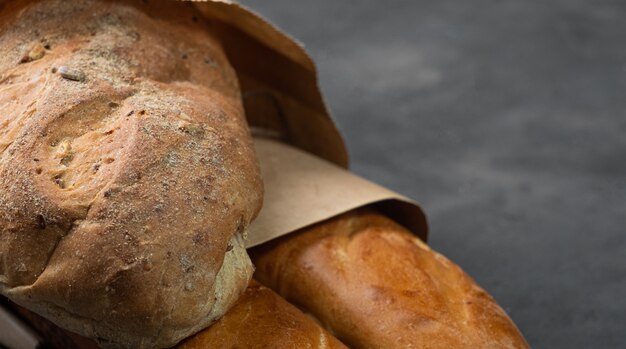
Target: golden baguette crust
[(127, 172), (262, 319), (375, 285)]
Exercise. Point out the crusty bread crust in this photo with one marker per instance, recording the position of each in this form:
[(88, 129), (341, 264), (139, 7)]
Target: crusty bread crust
[(127, 171), (262, 319), (375, 285)]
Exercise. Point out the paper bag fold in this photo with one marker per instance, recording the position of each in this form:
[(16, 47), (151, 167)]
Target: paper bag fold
[(302, 189)]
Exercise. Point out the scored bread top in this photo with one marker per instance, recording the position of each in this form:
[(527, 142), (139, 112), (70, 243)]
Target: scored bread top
[(127, 174), (373, 284)]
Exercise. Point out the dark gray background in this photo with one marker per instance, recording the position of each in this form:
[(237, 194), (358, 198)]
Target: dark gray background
[(507, 121)]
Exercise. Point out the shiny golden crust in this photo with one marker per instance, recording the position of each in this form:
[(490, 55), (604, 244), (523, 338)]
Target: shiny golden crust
[(127, 172), (262, 319), (374, 285)]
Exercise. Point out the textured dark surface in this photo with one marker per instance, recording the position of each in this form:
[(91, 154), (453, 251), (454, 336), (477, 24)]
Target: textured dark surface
[(507, 121)]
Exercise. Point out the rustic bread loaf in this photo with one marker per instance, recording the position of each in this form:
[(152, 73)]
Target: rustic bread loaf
[(127, 173), (374, 285)]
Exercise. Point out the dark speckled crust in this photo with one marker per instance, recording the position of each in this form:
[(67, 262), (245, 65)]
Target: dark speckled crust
[(126, 169), (375, 285)]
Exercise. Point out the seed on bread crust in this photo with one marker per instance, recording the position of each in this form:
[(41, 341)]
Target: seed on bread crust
[(71, 74)]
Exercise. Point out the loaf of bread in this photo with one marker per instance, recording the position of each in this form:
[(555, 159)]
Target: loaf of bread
[(260, 319), (374, 285), (127, 173)]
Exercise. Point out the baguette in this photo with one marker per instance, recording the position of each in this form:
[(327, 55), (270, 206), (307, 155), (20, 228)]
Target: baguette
[(127, 172), (262, 319), (375, 285)]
